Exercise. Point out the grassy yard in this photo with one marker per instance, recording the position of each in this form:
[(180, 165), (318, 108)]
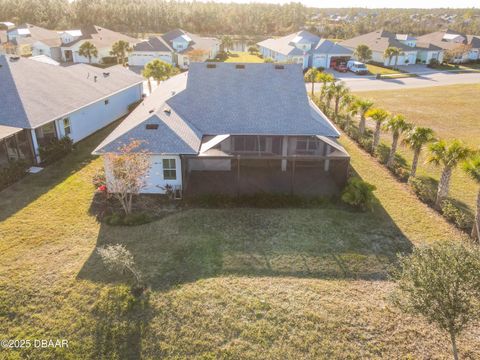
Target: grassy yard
[(239, 56), (374, 69), (451, 111), (230, 283)]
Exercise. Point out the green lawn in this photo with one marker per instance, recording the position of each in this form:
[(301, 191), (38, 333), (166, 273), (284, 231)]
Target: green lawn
[(229, 283), (374, 69), (245, 57), (451, 111)]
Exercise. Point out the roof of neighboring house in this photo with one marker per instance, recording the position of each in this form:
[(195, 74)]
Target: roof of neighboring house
[(437, 38), (259, 99), (378, 41), (34, 93), (195, 42), (155, 43), (286, 45), (3, 36), (101, 37), (35, 33), (6, 131), (474, 40), (404, 37), (44, 59)]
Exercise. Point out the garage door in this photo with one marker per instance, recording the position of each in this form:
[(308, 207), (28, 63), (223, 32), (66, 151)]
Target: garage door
[(411, 58), (320, 61)]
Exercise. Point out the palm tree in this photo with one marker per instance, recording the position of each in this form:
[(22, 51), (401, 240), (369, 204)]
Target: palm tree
[(449, 156), (363, 53), (361, 107), (120, 49), (472, 167), (379, 116), (416, 138), (396, 125), (312, 76), (158, 70), (88, 50), (390, 52), (325, 79), (339, 90), (227, 43)]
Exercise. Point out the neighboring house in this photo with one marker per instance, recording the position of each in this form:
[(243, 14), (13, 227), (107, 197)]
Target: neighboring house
[(28, 40), (42, 101), (304, 48), (175, 48), (3, 41), (450, 40), (102, 38), (234, 128), (413, 50)]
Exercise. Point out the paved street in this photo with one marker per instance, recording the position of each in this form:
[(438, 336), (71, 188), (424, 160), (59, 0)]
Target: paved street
[(369, 83)]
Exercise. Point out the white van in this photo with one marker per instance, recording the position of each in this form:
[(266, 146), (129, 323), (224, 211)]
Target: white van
[(357, 67)]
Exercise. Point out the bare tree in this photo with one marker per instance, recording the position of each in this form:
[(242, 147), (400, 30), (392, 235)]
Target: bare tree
[(126, 171), (117, 258)]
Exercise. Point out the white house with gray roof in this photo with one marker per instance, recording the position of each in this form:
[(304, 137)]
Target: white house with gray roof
[(234, 128), (306, 49), (41, 101), (174, 48)]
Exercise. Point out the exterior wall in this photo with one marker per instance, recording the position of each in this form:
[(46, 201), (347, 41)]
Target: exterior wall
[(154, 181), (474, 54), (88, 120), (411, 56), (102, 52), (179, 44), (426, 56), (141, 58), (40, 48)]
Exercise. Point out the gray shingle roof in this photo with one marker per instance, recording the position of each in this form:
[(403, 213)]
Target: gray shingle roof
[(154, 43), (378, 41), (256, 100), (37, 33), (286, 45), (34, 93), (101, 37)]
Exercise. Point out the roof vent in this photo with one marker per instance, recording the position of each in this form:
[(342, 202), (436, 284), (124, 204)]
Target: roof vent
[(14, 58), (95, 78), (106, 74), (151, 126), (151, 111), (167, 111), (279, 67), (211, 66), (173, 92), (239, 66)]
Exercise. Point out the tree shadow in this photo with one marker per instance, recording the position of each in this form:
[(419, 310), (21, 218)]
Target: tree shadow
[(31, 187), (329, 241)]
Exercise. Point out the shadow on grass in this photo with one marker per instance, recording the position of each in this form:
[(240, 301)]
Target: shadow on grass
[(19, 195), (330, 241)]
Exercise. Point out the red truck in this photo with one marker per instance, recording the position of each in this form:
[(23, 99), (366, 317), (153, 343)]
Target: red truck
[(340, 67)]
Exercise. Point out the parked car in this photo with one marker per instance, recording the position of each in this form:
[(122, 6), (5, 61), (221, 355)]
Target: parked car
[(340, 67), (357, 67)]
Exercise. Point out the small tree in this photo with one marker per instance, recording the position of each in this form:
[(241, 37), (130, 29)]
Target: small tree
[(325, 79), (359, 194), (339, 91), (88, 50), (120, 50), (416, 138), (118, 259), (448, 156), (197, 55), (472, 168), (311, 76), (126, 171), (379, 116), (396, 125), (391, 52), (442, 284), (158, 70), (361, 107), (363, 53), (456, 54), (226, 43), (253, 50)]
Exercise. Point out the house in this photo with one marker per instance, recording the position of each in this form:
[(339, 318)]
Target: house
[(101, 38), (465, 48), (177, 47), (3, 41), (413, 50), (42, 101), (304, 48), (234, 128), (27, 40)]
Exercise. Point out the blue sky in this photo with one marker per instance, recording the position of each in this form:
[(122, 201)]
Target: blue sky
[(425, 4)]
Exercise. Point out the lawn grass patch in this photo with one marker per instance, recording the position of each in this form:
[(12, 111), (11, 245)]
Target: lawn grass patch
[(375, 69), (243, 57), (449, 110)]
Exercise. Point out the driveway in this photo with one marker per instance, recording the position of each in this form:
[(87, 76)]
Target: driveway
[(369, 83)]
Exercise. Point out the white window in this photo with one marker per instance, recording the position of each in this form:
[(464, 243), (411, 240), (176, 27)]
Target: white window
[(169, 169), (67, 127)]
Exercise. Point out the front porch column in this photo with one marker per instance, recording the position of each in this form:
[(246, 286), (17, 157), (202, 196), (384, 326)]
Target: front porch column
[(327, 162), (36, 154), (284, 152)]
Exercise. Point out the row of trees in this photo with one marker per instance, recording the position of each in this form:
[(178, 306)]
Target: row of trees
[(120, 50), (336, 100)]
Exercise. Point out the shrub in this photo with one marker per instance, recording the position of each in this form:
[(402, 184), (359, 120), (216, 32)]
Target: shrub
[(366, 143), (457, 216), (221, 56), (359, 194), (55, 150), (424, 188), (98, 179), (14, 172), (433, 63), (109, 60), (117, 219)]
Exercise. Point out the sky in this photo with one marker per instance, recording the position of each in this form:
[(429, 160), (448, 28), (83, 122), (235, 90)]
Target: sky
[(424, 4)]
